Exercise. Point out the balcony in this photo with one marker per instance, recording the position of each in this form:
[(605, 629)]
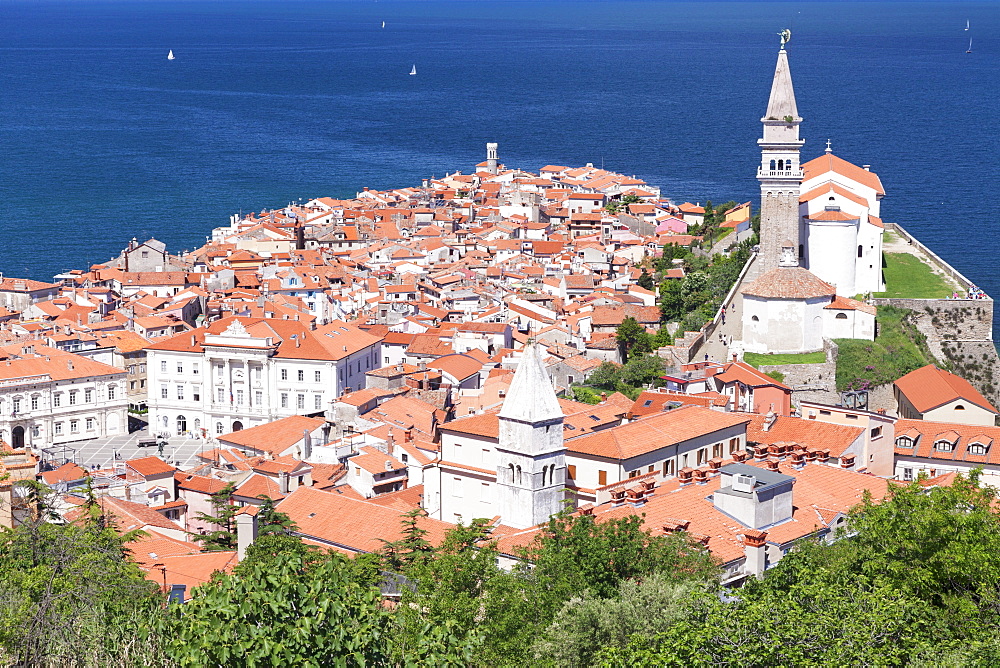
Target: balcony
[(779, 173)]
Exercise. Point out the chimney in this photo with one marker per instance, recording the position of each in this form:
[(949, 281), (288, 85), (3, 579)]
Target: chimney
[(847, 461), (741, 455), (617, 497), (769, 420), (798, 459), (714, 464), (246, 533), (755, 550), (867, 168), (701, 476), (771, 464), (635, 497), (684, 475), (307, 445), (283, 482), (407, 436), (69, 364)]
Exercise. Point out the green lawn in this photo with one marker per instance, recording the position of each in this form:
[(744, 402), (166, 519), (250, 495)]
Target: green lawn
[(896, 351), (758, 359), (906, 276)]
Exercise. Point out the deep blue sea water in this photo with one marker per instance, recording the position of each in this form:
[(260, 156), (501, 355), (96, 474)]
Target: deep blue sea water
[(102, 139)]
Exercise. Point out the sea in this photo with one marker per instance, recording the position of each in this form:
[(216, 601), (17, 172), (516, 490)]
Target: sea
[(102, 138)]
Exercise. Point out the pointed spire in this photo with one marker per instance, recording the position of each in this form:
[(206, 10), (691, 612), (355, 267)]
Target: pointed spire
[(782, 101), (531, 397)]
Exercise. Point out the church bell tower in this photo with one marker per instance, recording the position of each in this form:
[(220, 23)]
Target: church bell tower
[(531, 456), (780, 172)]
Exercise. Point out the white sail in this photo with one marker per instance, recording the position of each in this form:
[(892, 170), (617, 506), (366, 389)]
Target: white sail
[(966, 24), (383, 25), (170, 55), (414, 70)]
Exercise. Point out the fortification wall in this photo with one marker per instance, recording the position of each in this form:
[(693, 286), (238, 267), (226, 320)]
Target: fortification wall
[(960, 336), (811, 382)]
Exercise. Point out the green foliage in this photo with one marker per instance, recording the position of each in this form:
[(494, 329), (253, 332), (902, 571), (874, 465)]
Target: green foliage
[(413, 548), (291, 611), (68, 594), (906, 275), (893, 353), (920, 578), (671, 300), (777, 375), (271, 521), (606, 376), (645, 280), (585, 624), (629, 198), (224, 517), (642, 370), (585, 394), (613, 207), (757, 360), (632, 338)]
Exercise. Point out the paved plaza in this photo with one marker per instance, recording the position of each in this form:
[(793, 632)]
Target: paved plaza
[(180, 451)]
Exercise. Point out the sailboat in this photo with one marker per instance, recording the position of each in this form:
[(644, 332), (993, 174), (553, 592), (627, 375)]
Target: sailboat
[(969, 50), (170, 55), (383, 25), (413, 72), (966, 24)]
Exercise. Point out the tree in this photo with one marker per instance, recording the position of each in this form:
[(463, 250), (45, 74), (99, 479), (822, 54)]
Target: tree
[(68, 594), (413, 548), (671, 300), (645, 280), (629, 198), (223, 538), (613, 207), (272, 521), (631, 336), (642, 370), (606, 376)]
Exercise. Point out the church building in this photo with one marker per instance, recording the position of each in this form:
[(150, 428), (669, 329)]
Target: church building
[(820, 238)]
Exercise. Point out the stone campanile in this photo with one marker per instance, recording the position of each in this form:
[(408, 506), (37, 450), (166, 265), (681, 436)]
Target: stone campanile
[(491, 158), (780, 172)]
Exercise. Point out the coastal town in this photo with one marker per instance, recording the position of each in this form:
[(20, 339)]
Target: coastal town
[(494, 346)]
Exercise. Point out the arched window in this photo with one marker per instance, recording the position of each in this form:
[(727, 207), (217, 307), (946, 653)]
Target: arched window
[(859, 250), (518, 474), (197, 424), (166, 422), (181, 424), (545, 470), (781, 165), (959, 407), (772, 165), (841, 316), (754, 318), (944, 446), (218, 427), (904, 442)]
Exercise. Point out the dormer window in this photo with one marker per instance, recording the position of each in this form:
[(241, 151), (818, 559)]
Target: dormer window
[(978, 448), (944, 446), (904, 442)]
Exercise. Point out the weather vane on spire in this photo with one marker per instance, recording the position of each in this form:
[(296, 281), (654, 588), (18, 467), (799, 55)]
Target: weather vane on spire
[(786, 36)]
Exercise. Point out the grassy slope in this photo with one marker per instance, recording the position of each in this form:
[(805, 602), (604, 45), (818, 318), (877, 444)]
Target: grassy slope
[(906, 276), (757, 359), (895, 352)]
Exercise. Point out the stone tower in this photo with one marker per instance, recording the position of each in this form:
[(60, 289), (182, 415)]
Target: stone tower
[(531, 457), (780, 172), (491, 157)]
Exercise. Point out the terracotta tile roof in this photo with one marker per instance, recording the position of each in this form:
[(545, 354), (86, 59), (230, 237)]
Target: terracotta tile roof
[(929, 387), (654, 432), (257, 485), (273, 437), (746, 374), (789, 283), (650, 402), (357, 525), (192, 570), (150, 466), (925, 434), (128, 515), (808, 433), (614, 315), (198, 483), (848, 304), (485, 424), (828, 162), (68, 472), (828, 188)]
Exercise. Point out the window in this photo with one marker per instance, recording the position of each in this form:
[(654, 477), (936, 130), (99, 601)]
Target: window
[(256, 372), (17, 405), (111, 391), (301, 375), (57, 399), (318, 376), (859, 250), (754, 318), (88, 396), (300, 401), (284, 374), (851, 416), (668, 468), (405, 458), (944, 446), (572, 471), (196, 394), (284, 400), (258, 398), (74, 426), (876, 432), (239, 397), (220, 394), (733, 444), (72, 398), (195, 369), (180, 367), (318, 401), (218, 427), (907, 474), (36, 431), (717, 450), (959, 407), (89, 423), (58, 428), (602, 478), (164, 391), (978, 448), (163, 365), (841, 316), (456, 488), (34, 403), (632, 474), (142, 368), (180, 392), (702, 455)]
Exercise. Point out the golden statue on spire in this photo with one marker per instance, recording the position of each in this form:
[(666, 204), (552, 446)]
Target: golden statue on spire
[(786, 36)]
